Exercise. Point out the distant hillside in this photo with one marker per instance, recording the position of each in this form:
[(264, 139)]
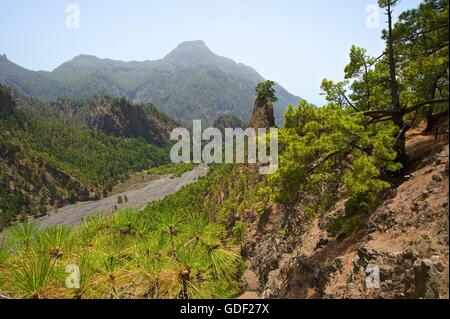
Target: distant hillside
[(191, 82)]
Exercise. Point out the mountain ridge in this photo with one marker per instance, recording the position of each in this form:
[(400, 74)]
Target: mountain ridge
[(190, 82)]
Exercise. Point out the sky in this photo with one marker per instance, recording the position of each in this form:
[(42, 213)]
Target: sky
[(294, 42)]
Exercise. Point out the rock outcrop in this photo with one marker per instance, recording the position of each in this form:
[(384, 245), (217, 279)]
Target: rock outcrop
[(263, 115)]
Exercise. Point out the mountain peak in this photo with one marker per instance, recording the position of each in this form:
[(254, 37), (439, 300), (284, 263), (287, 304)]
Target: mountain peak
[(85, 58), (193, 44), (191, 52)]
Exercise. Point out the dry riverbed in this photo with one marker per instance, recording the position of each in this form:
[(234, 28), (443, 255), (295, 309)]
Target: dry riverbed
[(138, 196)]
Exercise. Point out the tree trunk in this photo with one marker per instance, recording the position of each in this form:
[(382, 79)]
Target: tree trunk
[(430, 120), (400, 147), (392, 63)]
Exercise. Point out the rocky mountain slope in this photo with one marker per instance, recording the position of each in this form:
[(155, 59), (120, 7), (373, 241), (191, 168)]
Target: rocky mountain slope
[(31, 184), (291, 255), (191, 82)]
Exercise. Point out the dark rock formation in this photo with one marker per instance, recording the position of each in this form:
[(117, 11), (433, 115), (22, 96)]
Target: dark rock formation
[(122, 118), (262, 116)]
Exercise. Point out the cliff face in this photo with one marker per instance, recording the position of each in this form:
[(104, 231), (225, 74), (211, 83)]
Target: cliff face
[(122, 118), (6, 102), (404, 241), (115, 116), (262, 116)]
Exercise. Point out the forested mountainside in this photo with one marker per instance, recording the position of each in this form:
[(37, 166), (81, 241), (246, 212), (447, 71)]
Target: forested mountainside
[(114, 116), (224, 121), (189, 83), (47, 163), (358, 207)]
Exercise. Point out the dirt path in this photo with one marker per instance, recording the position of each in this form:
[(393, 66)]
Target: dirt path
[(73, 215)]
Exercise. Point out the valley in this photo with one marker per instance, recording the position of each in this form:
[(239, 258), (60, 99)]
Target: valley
[(116, 180), (47, 162)]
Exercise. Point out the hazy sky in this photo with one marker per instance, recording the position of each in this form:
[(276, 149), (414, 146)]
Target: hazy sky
[(294, 42)]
